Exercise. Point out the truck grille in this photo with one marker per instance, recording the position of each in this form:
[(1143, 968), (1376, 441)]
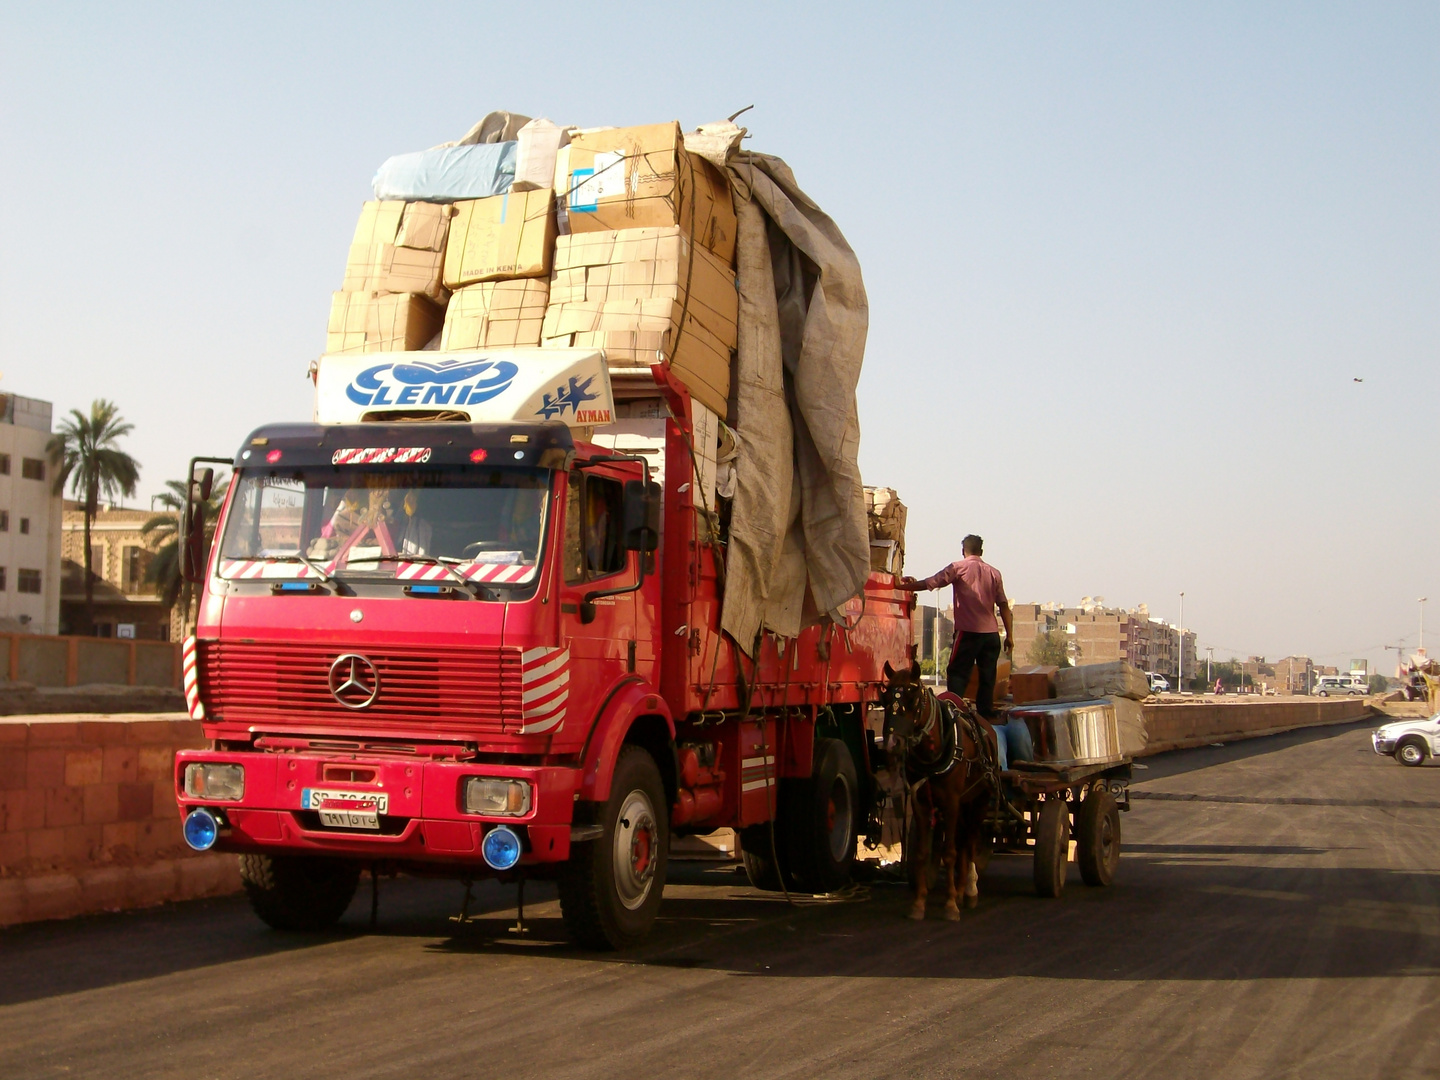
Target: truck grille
[(285, 685)]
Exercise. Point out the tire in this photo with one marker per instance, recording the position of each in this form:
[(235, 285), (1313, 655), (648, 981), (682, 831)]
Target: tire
[(1411, 752), (755, 853), (611, 887), (299, 892), (1322, 693), (821, 820), (1052, 847), (1098, 834)]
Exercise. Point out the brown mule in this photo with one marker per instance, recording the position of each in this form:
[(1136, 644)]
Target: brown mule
[(948, 761)]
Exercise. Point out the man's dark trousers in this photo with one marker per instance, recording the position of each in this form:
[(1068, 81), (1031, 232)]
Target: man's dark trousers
[(972, 649)]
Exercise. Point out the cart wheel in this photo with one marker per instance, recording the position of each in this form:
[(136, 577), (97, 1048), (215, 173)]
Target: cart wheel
[(1098, 826), (1052, 846)]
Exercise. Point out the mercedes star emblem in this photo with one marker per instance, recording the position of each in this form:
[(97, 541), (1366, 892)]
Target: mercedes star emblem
[(354, 681)]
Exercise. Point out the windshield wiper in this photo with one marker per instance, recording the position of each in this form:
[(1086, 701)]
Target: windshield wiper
[(297, 557), (431, 560)]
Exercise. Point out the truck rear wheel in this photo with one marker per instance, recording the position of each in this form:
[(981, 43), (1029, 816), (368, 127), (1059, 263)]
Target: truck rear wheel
[(299, 892), (759, 859), (1098, 826), (1052, 847), (611, 888), (822, 819)]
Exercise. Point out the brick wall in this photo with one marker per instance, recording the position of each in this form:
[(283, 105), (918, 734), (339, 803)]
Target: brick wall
[(88, 820)]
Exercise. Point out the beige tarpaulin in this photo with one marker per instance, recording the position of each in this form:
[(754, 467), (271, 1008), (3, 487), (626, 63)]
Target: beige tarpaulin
[(798, 541)]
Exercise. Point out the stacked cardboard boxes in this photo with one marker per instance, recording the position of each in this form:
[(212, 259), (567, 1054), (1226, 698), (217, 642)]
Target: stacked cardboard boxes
[(631, 249), (885, 515), (393, 295), (643, 295)]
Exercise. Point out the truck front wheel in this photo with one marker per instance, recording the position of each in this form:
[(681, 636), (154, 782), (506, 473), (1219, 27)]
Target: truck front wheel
[(611, 888), (299, 892)]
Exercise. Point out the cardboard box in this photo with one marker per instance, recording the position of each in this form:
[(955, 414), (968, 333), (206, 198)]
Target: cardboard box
[(381, 322), (504, 236), (642, 177), (638, 333), (398, 248), (1003, 688), (648, 264), (1033, 683), (496, 315)]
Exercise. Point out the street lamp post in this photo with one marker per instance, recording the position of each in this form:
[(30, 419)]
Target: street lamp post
[(1180, 656), (1209, 658), (1422, 622)]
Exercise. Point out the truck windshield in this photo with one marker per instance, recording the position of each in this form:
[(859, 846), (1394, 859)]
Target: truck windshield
[(387, 522)]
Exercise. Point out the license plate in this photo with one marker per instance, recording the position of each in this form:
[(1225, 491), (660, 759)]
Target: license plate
[(347, 814), (346, 809)]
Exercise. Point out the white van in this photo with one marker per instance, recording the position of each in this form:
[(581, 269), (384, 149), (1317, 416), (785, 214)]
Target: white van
[(1159, 684), (1356, 685)]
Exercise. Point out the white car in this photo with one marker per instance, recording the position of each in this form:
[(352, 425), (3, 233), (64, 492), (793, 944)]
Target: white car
[(1355, 685), (1409, 742)]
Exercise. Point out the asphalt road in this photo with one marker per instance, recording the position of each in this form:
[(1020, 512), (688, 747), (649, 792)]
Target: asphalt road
[(1275, 915)]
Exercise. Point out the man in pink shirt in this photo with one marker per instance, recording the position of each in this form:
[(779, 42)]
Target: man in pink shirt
[(978, 591)]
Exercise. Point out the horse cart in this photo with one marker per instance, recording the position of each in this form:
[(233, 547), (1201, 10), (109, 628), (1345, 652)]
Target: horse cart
[(1042, 807), (1074, 783)]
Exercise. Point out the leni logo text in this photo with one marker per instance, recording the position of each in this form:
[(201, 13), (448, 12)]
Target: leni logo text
[(423, 382)]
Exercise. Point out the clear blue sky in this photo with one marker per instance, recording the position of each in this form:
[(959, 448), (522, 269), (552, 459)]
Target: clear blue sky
[(1124, 261)]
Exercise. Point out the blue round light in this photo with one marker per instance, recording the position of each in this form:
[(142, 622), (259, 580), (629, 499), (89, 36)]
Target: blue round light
[(501, 847), (201, 829)]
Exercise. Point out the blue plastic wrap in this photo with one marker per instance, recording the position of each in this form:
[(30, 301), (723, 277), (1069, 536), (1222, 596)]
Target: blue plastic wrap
[(448, 174)]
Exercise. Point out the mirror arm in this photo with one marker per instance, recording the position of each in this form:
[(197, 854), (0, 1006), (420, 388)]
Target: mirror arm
[(187, 515)]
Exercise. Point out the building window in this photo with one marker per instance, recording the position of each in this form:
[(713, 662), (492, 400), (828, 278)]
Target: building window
[(4, 464), (27, 581), (2, 579), (4, 520), (134, 563), (24, 526), (32, 468)]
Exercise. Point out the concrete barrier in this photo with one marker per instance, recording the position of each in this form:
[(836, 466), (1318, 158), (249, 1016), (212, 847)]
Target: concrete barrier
[(46, 660), (88, 820), (1177, 724)]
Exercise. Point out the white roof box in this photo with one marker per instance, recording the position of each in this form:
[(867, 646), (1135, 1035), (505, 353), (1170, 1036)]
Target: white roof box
[(494, 386)]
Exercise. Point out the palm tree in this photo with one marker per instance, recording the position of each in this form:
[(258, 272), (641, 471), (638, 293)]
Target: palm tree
[(164, 569), (84, 451)]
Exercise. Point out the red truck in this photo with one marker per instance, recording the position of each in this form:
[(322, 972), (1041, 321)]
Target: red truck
[(461, 627)]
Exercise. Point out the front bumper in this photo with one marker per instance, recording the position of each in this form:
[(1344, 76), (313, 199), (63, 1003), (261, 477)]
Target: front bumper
[(1382, 744), (424, 820)]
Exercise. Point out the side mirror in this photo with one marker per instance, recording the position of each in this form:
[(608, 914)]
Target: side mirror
[(192, 541), (641, 516), (192, 544)]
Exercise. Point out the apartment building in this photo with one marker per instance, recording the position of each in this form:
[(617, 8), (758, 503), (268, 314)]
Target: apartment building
[(29, 519), (1096, 634)]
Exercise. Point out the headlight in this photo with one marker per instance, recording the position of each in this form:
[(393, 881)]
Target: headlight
[(489, 796), (205, 781)]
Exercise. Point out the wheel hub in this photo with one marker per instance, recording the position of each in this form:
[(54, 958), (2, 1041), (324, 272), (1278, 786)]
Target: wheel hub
[(634, 849)]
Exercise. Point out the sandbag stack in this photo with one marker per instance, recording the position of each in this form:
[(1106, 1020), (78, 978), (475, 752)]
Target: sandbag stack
[(615, 238), (885, 515)]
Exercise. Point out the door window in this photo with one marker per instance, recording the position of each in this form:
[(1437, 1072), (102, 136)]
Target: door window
[(592, 528)]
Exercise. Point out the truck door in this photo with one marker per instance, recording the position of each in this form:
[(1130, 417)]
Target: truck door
[(602, 649)]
